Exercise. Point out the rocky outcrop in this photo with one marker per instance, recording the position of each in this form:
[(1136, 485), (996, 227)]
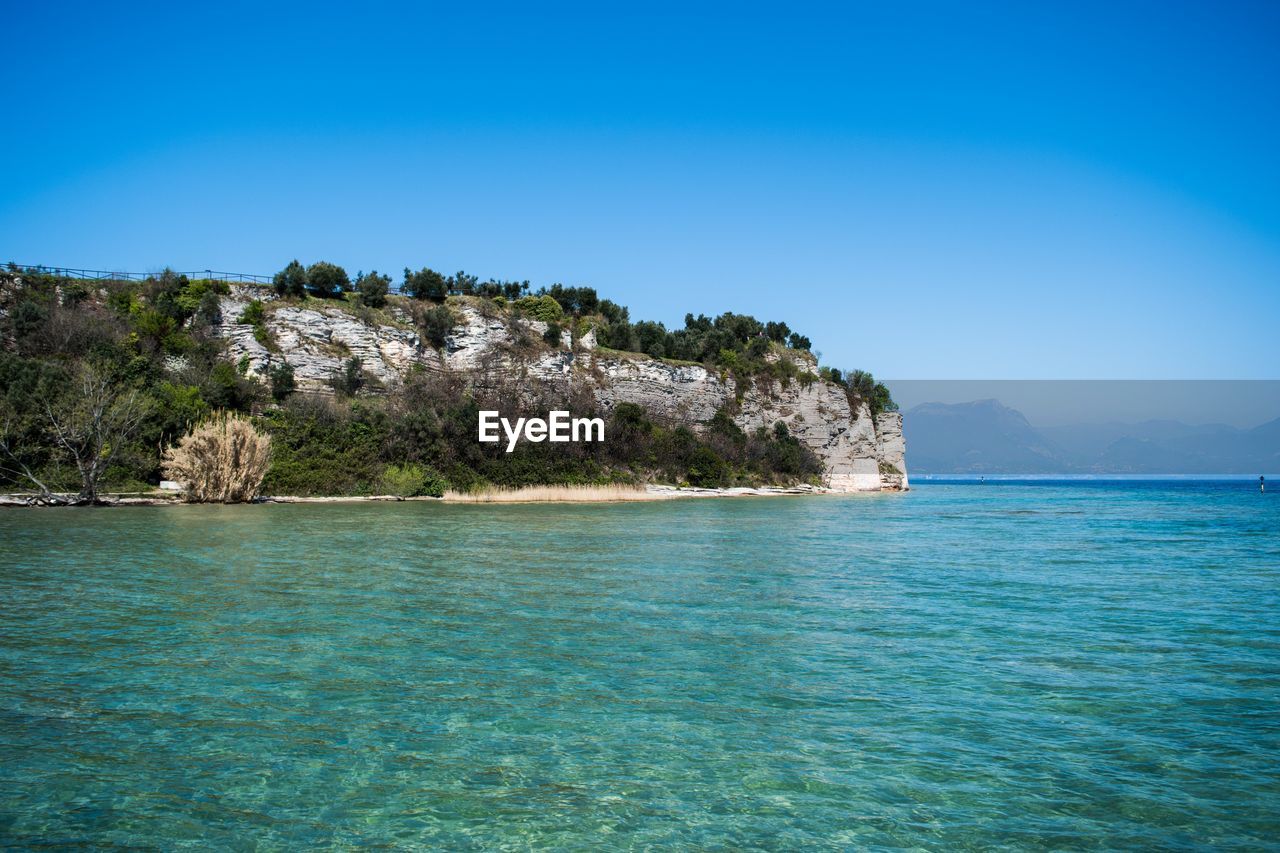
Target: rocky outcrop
[(316, 342), (891, 449), (859, 453)]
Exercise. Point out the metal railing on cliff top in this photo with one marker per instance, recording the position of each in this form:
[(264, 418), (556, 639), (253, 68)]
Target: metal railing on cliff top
[(116, 275)]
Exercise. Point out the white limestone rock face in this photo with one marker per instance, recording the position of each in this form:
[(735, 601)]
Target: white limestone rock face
[(820, 417), (682, 393), (317, 342), (892, 450), (477, 342), (239, 336)]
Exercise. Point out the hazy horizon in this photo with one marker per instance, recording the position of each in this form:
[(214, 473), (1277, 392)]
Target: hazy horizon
[(1242, 404)]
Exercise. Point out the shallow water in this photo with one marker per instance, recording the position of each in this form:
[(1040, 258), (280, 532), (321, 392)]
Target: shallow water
[(961, 666)]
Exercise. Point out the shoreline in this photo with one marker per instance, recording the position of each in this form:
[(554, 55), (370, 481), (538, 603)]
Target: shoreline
[(522, 495)]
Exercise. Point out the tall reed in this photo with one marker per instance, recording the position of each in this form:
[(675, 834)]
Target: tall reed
[(222, 460)]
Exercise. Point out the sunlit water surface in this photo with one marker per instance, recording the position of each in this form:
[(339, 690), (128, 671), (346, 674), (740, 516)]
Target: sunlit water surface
[(964, 665)]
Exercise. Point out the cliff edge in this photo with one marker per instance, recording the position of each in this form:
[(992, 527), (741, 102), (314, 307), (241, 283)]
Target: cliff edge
[(858, 452)]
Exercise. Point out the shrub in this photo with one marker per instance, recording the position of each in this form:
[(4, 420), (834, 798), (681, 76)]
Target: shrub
[(227, 388), (350, 378), (253, 314), (223, 460), (552, 334), (542, 308), (411, 480), (862, 387), (435, 324), (291, 281), (28, 318), (372, 289), (282, 382), (326, 279), (209, 311), (326, 446)]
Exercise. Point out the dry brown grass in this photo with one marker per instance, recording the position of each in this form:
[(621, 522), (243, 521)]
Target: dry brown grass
[(222, 460), (553, 494)]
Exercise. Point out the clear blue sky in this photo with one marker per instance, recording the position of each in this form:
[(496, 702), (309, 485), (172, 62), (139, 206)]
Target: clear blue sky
[(1022, 190)]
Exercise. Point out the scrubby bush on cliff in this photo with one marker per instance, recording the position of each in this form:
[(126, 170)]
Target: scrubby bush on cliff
[(542, 308), (435, 324), (862, 387), (552, 335), (350, 378), (222, 460), (225, 386), (291, 281), (282, 381), (253, 314), (736, 341), (327, 280)]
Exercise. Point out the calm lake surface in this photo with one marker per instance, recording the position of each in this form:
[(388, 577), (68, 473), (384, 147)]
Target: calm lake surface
[(964, 665)]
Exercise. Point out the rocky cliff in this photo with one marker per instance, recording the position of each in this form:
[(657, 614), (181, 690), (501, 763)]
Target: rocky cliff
[(859, 452)]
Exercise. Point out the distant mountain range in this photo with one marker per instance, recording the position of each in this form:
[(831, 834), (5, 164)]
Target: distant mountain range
[(987, 437)]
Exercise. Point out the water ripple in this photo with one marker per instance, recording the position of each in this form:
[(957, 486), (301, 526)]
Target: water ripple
[(958, 667)]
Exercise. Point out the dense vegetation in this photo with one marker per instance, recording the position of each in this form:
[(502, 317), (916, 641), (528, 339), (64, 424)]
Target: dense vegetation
[(97, 378)]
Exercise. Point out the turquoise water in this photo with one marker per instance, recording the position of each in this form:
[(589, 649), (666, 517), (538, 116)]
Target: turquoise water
[(962, 666)]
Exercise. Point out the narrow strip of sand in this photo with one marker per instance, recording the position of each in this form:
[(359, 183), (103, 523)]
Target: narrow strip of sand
[(524, 494)]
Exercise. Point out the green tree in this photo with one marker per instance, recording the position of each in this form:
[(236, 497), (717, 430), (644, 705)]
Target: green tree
[(90, 425), (327, 280), (777, 331), (463, 282), (372, 288), (651, 338), (291, 281), (426, 283)]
